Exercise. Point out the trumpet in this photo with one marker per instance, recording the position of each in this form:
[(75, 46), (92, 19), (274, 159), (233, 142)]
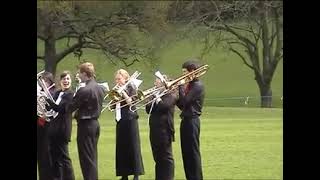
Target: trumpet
[(115, 95)]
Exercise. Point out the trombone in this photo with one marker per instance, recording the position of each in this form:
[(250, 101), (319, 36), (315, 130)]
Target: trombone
[(143, 97), (115, 95), (186, 78), (168, 86)]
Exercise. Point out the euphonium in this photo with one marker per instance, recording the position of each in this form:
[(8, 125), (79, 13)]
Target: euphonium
[(42, 97)]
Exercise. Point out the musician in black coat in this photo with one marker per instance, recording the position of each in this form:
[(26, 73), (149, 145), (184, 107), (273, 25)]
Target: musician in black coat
[(190, 102), (128, 150), (161, 135), (60, 130), (43, 155), (88, 103)]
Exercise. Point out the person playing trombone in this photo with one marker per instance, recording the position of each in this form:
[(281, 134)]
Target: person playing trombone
[(128, 150), (162, 131), (190, 102)]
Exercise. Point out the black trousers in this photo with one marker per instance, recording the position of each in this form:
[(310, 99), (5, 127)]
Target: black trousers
[(62, 166), (43, 155), (164, 162), (190, 148), (87, 140)]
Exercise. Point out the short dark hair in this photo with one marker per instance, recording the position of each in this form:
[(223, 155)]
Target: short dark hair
[(191, 64), (48, 77), (64, 74)]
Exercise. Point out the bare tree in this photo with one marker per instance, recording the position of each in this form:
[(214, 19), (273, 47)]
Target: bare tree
[(250, 29), (81, 25)]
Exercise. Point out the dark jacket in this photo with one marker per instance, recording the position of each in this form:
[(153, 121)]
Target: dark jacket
[(88, 101), (61, 126), (191, 102), (161, 120)]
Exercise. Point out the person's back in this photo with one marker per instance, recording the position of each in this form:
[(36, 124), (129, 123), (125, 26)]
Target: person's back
[(92, 98), (88, 104)]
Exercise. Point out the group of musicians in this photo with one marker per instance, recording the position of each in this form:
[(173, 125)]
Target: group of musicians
[(53, 157)]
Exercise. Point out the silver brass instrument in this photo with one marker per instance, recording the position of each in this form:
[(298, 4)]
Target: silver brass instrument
[(42, 97), (115, 94)]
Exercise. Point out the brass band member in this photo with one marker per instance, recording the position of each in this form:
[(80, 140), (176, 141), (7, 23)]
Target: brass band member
[(88, 103), (162, 133), (43, 155), (190, 102), (128, 150), (60, 130)]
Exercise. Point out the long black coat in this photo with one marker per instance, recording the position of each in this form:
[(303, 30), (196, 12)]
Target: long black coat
[(61, 126), (128, 150)]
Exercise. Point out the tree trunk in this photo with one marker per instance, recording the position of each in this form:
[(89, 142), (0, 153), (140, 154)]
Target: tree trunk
[(266, 95), (50, 57)]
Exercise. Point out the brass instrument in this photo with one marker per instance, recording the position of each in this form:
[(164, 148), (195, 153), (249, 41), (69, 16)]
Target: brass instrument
[(168, 87), (186, 78), (115, 94), (42, 97), (144, 97)]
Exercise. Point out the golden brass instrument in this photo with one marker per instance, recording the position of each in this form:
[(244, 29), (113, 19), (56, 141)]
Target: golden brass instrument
[(168, 87), (186, 78), (144, 97), (115, 95)]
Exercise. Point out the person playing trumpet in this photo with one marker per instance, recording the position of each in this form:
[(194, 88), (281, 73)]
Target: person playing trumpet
[(161, 135), (128, 150)]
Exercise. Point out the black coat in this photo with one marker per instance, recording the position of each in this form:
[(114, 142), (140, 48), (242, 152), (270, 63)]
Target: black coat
[(61, 126), (162, 119), (87, 101), (128, 150), (191, 103)]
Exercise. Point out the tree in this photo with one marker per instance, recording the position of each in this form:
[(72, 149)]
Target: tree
[(97, 25), (249, 27)]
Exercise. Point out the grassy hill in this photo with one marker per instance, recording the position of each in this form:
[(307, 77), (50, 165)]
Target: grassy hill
[(228, 82)]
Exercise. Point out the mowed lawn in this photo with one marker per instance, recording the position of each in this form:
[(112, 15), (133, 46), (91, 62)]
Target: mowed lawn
[(236, 143)]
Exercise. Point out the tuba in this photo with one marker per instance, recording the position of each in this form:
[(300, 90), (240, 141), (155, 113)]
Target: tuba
[(42, 95)]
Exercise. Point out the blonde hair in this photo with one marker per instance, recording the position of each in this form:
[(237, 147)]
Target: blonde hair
[(123, 73)]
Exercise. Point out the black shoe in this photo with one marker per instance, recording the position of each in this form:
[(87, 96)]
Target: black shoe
[(124, 178), (136, 177)]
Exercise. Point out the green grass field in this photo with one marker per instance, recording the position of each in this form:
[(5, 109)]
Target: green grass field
[(236, 143)]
